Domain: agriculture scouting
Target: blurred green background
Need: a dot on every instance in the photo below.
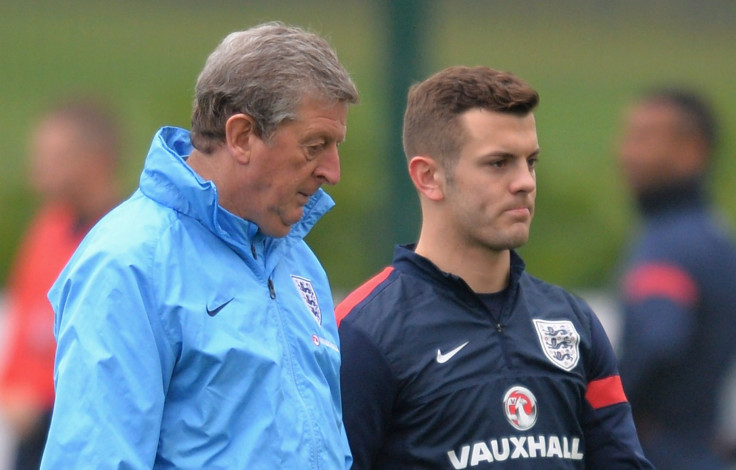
(586, 58)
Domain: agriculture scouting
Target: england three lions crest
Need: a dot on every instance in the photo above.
(560, 342)
(309, 296)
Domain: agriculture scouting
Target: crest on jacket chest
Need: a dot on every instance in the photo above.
(309, 296)
(560, 342)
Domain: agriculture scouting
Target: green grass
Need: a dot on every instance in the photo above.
(585, 58)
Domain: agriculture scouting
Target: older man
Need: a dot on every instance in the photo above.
(195, 327)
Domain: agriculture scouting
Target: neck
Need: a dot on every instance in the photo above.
(483, 269)
(202, 164)
(95, 203)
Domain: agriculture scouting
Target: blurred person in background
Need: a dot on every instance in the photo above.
(73, 156)
(455, 356)
(678, 287)
(195, 326)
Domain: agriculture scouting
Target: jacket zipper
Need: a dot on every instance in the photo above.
(271, 289)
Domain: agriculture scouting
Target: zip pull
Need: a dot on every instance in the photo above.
(499, 327)
(271, 289)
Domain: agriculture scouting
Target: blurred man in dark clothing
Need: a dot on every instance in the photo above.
(679, 283)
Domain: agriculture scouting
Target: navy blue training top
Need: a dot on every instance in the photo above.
(432, 379)
(678, 292)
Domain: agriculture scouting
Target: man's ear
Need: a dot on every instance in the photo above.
(428, 177)
(239, 136)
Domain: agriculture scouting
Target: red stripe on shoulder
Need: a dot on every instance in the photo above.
(661, 280)
(357, 296)
(605, 392)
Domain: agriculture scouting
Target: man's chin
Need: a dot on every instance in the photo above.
(516, 241)
(277, 229)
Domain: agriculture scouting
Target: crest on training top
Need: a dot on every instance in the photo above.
(309, 296)
(560, 342)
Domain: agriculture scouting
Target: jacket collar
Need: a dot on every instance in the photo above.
(406, 259)
(675, 197)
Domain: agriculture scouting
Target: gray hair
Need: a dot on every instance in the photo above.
(265, 72)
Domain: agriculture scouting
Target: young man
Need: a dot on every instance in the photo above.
(195, 327)
(454, 356)
(677, 286)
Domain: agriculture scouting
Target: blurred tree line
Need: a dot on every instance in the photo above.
(585, 58)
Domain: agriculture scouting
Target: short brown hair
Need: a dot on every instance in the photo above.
(431, 125)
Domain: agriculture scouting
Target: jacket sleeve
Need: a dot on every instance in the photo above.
(659, 308)
(111, 371)
(611, 440)
(368, 391)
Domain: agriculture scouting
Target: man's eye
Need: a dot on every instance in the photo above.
(532, 162)
(314, 150)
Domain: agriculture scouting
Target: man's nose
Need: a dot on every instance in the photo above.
(329, 166)
(525, 180)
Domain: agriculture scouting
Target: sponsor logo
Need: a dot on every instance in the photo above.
(560, 342)
(309, 296)
(442, 358)
(516, 447)
(324, 342)
(520, 408)
(216, 310)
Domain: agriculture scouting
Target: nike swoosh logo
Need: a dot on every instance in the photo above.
(442, 358)
(216, 310)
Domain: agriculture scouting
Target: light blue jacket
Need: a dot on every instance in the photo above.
(188, 340)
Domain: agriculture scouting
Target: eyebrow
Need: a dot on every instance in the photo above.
(322, 135)
(504, 154)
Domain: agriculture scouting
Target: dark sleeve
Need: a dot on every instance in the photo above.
(610, 435)
(659, 302)
(368, 390)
